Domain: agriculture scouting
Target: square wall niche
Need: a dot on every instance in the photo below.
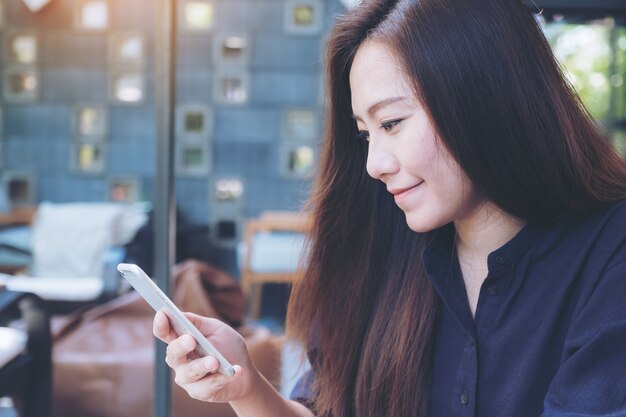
(226, 204)
(298, 161)
(304, 17)
(194, 121)
(123, 189)
(90, 121)
(193, 160)
(196, 15)
(300, 125)
(21, 47)
(88, 158)
(232, 87)
(231, 50)
(92, 15)
(20, 188)
(21, 84)
(127, 49)
(127, 87)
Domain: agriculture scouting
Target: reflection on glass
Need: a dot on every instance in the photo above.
(228, 189)
(300, 160)
(127, 49)
(194, 122)
(233, 90)
(90, 121)
(94, 14)
(233, 47)
(300, 125)
(89, 158)
(128, 88)
(23, 48)
(303, 15)
(198, 15)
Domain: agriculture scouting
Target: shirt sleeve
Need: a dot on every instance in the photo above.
(591, 380)
(303, 391)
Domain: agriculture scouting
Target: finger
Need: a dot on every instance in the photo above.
(178, 350)
(161, 328)
(206, 325)
(209, 387)
(196, 369)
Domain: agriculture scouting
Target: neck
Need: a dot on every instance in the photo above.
(484, 230)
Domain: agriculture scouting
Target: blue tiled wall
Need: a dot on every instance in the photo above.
(285, 71)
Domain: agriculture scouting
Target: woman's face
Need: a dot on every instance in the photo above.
(404, 153)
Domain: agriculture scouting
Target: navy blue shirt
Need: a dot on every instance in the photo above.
(549, 334)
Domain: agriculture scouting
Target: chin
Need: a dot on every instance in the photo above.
(421, 223)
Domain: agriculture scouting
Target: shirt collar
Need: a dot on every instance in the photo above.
(439, 254)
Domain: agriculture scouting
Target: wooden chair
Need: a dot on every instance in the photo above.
(252, 280)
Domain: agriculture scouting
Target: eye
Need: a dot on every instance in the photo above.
(363, 135)
(387, 126)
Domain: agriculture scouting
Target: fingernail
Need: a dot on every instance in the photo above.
(160, 318)
(209, 364)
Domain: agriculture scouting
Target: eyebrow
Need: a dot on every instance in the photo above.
(379, 105)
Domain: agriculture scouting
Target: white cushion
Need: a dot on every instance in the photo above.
(69, 240)
(12, 343)
(274, 252)
(55, 288)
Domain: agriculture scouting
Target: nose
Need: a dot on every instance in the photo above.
(381, 161)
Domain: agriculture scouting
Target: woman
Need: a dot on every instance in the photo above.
(468, 254)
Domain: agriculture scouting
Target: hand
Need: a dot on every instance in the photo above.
(199, 376)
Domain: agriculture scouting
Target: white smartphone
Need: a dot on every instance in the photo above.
(181, 324)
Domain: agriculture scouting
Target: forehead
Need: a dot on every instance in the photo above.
(376, 74)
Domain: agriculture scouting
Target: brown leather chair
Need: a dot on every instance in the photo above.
(104, 359)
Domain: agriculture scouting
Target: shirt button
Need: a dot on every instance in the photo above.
(500, 259)
(464, 398)
(492, 289)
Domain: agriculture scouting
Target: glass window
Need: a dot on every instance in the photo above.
(92, 14)
(22, 48)
(21, 84)
(197, 15)
(128, 87)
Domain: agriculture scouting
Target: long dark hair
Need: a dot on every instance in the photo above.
(500, 105)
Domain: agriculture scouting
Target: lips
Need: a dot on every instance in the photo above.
(399, 191)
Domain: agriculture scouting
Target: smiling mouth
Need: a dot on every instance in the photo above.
(406, 190)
